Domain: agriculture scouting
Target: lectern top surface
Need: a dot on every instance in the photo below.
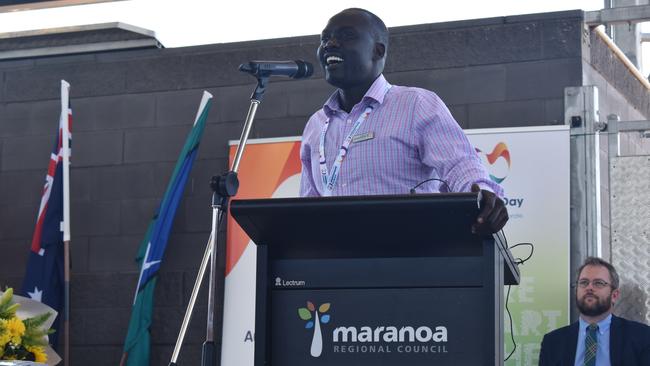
(399, 225)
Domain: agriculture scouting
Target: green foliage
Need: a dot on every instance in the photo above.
(21, 339)
(34, 334)
(37, 321)
(6, 297)
(7, 309)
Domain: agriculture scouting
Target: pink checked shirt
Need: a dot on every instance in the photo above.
(409, 136)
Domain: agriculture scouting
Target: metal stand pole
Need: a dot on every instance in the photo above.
(190, 305)
(223, 187)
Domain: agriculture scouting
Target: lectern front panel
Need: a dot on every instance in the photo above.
(400, 327)
(377, 280)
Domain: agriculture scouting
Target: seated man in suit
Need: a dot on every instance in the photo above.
(598, 338)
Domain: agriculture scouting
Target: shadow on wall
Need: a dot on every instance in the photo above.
(633, 303)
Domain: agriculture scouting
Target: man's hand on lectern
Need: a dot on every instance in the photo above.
(493, 215)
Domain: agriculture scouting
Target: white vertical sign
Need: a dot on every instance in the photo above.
(533, 166)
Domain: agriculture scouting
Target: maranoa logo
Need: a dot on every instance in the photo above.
(374, 339)
(390, 334)
(314, 318)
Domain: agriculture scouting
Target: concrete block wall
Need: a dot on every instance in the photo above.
(132, 110)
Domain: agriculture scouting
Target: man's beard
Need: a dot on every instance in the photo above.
(599, 307)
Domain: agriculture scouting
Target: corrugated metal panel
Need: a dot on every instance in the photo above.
(630, 220)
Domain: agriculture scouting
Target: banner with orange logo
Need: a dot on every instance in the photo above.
(270, 168)
(532, 164)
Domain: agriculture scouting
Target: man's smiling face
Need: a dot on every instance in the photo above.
(348, 50)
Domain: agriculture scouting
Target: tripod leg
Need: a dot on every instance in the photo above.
(190, 305)
(207, 357)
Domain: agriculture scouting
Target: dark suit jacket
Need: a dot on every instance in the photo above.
(629, 344)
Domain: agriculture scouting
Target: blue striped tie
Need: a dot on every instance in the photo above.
(591, 345)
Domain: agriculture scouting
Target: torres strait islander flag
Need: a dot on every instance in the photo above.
(44, 279)
(152, 248)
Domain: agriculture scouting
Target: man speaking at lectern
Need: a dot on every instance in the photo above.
(372, 137)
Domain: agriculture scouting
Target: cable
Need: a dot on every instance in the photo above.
(512, 333)
(518, 262)
(412, 190)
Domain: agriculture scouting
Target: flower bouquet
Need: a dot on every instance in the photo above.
(24, 326)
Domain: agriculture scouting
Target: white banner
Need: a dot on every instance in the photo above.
(532, 164)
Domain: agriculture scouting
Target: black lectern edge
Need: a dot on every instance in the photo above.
(453, 196)
(512, 276)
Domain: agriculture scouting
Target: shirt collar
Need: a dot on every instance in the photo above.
(376, 92)
(603, 325)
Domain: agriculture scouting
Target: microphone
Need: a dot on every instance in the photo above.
(297, 69)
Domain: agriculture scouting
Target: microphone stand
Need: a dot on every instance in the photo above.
(223, 187)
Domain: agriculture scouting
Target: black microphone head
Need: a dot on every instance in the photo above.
(305, 69)
(297, 69)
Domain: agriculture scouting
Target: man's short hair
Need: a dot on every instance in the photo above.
(379, 30)
(595, 261)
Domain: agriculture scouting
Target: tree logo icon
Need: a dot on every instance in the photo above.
(314, 318)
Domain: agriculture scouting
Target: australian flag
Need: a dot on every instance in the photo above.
(44, 276)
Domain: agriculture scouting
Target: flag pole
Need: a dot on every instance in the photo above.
(65, 125)
(66, 324)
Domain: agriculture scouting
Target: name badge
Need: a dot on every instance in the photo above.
(363, 137)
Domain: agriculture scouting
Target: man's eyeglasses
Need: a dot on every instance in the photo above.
(584, 283)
